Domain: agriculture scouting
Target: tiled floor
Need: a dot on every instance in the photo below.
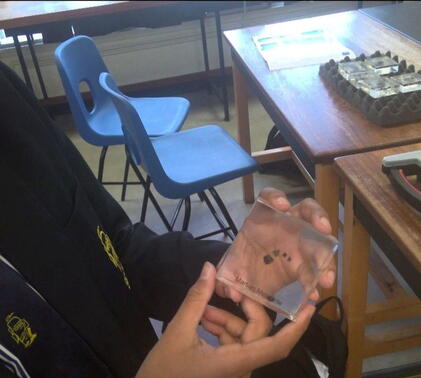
(206, 109)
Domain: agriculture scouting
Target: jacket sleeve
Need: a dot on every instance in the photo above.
(162, 269)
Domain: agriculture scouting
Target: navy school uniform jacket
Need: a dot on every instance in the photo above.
(99, 274)
(30, 328)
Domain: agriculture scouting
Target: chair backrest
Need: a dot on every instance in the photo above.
(137, 140)
(78, 60)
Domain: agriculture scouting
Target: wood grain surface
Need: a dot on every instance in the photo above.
(373, 188)
(325, 125)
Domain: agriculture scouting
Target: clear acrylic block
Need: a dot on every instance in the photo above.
(383, 65)
(408, 82)
(276, 259)
(378, 87)
(349, 69)
(356, 78)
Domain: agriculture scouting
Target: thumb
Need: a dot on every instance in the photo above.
(191, 310)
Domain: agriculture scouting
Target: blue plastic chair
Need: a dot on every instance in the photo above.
(78, 60)
(183, 163)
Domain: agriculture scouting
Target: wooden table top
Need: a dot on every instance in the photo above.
(323, 123)
(373, 188)
(15, 14)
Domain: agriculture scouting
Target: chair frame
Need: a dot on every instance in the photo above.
(124, 183)
(145, 152)
(229, 230)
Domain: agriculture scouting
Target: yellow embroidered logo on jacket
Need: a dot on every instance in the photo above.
(112, 255)
(20, 330)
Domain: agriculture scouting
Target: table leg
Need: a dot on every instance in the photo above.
(326, 192)
(354, 284)
(243, 126)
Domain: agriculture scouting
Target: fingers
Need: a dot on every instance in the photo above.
(307, 278)
(225, 291)
(191, 310)
(314, 295)
(324, 258)
(259, 323)
(220, 289)
(229, 322)
(223, 336)
(312, 212)
(247, 357)
(233, 294)
(275, 198)
(309, 210)
(229, 328)
(328, 278)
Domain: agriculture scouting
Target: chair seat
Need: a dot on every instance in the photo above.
(200, 158)
(160, 115)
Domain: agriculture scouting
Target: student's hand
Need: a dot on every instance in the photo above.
(181, 353)
(230, 329)
(308, 210)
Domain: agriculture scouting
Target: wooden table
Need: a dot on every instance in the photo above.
(315, 121)
(374, 208)
(24, 17)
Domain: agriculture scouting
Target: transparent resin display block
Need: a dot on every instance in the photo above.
(408, 82)
(367, 75)
(383, 65)
(276, 259)
(378, 86)
(349, 69)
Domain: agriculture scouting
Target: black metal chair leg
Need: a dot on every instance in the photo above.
(22, 63)
(145, 199)
(209, 234)
(187, 212)
(151, 196)
(222, 65)
(215, 214)
(101, 163)
(224, 210)
(176, 212)
(205, 51)
(30, 39)
(126, 175)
